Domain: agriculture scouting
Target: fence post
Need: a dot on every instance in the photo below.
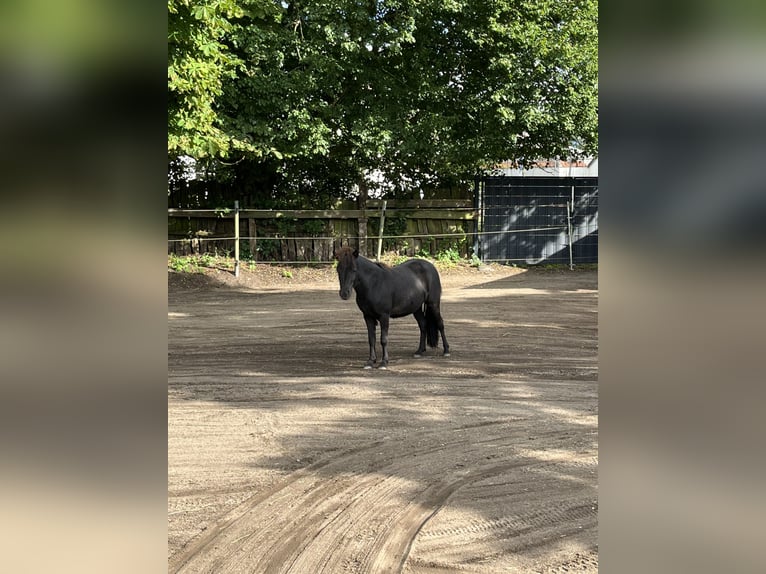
(380, 233)
(362, 235)
(236, 238)
(252, 231)
(570, 208)
(478, 222)
(362, 221)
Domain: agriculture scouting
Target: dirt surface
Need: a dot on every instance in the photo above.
(284, 455)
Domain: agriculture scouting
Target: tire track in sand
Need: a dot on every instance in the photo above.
(358, 511)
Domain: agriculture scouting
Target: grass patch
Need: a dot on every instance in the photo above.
(196, 263)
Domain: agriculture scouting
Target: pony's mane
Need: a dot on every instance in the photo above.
(344, 255)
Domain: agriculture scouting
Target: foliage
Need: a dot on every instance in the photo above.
(313, 227)
(191, 263)
(205, 260)
(312, 97)
(393, 227)
(450, 255)
(268, 249)
(181, 264)
(198, 64)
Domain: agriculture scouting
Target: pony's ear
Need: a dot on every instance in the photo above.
(356, 253)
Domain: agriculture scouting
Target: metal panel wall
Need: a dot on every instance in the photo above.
(525, 219)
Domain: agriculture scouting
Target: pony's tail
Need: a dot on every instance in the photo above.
(432, 327)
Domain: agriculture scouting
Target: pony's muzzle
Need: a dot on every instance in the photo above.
(345, 294)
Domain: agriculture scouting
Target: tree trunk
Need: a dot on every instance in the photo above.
(362, 221)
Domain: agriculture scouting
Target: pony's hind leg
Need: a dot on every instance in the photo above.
(420, 317)
(445, 344)
(437, 317)
(435, 327)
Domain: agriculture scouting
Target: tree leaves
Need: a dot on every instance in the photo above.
(410, 89)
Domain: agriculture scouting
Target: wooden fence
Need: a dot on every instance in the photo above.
(411, 227)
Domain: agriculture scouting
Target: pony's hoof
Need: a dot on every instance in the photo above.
(382, 368)
(368, 366)
(447, 354)
(418, 355)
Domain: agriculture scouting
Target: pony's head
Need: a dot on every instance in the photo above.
(346, 270)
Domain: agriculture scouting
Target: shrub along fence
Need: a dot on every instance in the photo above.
(409, 228)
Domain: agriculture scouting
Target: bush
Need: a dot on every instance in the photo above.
(449, 256)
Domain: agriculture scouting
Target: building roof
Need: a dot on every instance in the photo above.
(551, 168)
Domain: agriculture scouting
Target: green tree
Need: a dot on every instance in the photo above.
(417, 89)
(201, 60)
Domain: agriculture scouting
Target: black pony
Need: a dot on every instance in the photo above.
(382, 292)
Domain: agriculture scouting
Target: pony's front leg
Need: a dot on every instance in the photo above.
(384, 340)
(370, 321)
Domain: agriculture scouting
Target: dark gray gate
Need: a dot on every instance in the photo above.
(532, 220)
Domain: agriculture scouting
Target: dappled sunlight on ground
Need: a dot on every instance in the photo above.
(484, 461)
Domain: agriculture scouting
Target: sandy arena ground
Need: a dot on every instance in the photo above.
(284, 455)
